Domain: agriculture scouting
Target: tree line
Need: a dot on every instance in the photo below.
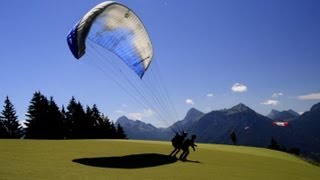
(45, 120)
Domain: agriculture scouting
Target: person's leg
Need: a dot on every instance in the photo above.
(185, 155)
(182, 154)
(173, 152)
(177, 151)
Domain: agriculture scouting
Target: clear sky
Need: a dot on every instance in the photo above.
(212, 54)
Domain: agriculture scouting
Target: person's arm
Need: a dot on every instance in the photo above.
(194, 145)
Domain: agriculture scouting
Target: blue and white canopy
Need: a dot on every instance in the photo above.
(116, 28)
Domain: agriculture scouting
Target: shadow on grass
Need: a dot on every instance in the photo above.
(191, 161)
(128, 162)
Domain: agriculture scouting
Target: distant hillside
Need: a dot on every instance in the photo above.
(192, 118)
(252, 129)
(283, 115)
(136, 129)
(306, 131)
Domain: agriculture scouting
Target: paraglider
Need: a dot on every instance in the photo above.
(177, 142)
(283, 124)
(114, 40)
(116, 28)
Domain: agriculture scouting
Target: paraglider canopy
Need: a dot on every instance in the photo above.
(283, 124)
(116, 28)
(113, 39)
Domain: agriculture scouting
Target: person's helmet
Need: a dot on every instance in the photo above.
(184, 133)
(193, 136)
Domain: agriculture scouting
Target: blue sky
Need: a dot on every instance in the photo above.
(211, 55)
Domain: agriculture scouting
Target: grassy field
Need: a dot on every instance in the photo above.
(130, 159)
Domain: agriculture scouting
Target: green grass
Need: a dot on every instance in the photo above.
(130, 159)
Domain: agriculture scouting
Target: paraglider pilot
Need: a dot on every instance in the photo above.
(185, 147)
(177, 143)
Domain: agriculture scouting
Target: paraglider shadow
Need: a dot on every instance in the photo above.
(128, 162)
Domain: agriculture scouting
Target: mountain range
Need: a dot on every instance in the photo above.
(283, 115)
(252, 128)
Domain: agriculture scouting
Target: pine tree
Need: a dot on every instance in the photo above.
(37, 118)
(113, 131)
(90, 121)
(69, 118)
(9, 123)
(275, 145)
(55, 120)
(2, 129)
(76, 120)
(106, 128)
(64, 122)
(100, 126)
(120, 132)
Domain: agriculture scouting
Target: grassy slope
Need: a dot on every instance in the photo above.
(40, 159)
